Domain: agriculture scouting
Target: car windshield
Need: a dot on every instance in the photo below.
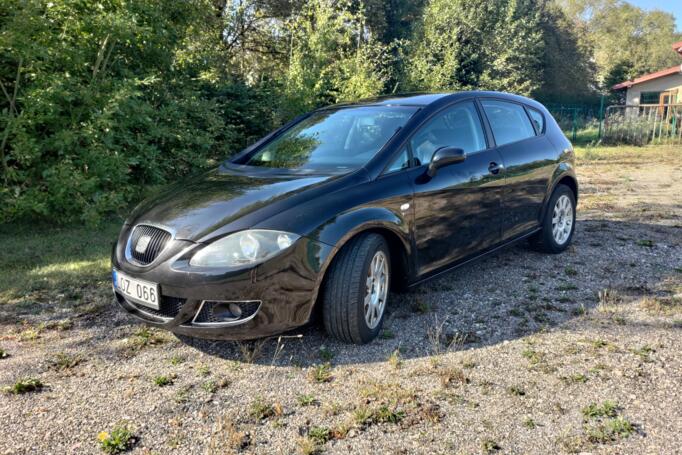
(334, 139)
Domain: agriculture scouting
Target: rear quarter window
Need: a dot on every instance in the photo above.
(509, 121)
(538, 119)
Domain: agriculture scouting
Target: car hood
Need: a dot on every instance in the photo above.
(224, 200)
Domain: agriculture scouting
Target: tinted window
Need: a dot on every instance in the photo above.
(458, 126)
(508, 121)
(401, 162)
(538, 120)
(333, 139)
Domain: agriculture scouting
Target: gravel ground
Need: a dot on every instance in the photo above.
(517, 353)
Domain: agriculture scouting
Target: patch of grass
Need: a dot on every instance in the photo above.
(176, 360)
(307, 446)
(321, 373)
(529, 423)
(145, 337)
(24, 386)
(534, 357)
(3, 354)
(490, 446)
(578, 377)
(395, 360)
(119, 440)
(320, 434)
(610, 430)
(387, 334)
(306, 400)
(204, 370)
(53, 258)
(163, 381)
(567, 287)
(646, 243)
(64, 361)
(214, 386)
(644, 352)
(451, 376)
(326, 354)
(607, 408)
(420, 307)
(262, 410)
(570, 271)
(386, 414)
(516, 391)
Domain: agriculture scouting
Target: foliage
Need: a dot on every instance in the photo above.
(101, 100)
(119, 440)
(457, 49)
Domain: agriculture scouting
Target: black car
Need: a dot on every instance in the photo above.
(329, 212)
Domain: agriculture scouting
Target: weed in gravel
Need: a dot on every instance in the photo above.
(61, 325)
(307, 446)
(395, 360)
(516, 391)
(646, 243)
(182, 395)
(214, 386)
(607, 408)
(31, 333)
(64, 361)
(450, 376)
(306, 400)
(609, 430)
(578, 378)
(644, 352)
(3, 354)
(261, 410)
(362, 415)
(163, 381)
(420, 307)
(251, 350)
(661, 306)
(145, 337)
(570, 271)
(320, 434)
(534, 357)
(567, 287)
(321, 373)
(176, 360)
(226, 437)
(386, 414)
(529, 423)
(387, 334)
(326, 354)
(24, 386)
(119, 440)
(203, 370)
(608, 299)
(490, 446)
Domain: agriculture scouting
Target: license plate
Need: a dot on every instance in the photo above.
(139, 291)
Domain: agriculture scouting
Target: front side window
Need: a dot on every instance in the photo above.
(508, 121)
(650, 97)
(335, 139)
(400, 163)
(457, 126)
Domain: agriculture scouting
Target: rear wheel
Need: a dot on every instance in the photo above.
(356, 290)
(558, 224)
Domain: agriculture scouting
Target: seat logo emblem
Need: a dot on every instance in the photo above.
(142, 244)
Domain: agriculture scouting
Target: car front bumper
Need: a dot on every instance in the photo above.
(285, 289)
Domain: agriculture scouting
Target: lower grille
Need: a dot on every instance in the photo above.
(168, 308)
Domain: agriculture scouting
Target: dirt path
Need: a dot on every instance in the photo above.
(518, 353)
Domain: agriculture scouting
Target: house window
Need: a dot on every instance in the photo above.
(649, 97)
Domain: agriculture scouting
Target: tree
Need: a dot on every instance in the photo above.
(495, 45)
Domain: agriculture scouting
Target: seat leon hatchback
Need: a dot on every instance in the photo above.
(329, 213)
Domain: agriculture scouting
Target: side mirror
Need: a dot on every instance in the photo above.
(445, 156)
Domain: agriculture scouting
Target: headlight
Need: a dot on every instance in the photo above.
(243, 248)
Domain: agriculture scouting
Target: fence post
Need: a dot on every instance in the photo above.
(601, 117)
(575, 123)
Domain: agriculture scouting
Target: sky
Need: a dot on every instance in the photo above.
(670, 6)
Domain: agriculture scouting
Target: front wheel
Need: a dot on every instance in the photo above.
(356, 290)
(558, 224)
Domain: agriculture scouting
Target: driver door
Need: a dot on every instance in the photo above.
(458, 211)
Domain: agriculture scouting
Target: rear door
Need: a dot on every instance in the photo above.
(529, 158)
(456, 212)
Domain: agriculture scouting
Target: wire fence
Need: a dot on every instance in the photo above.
(643, 124)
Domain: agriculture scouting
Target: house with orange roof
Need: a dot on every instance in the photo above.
(661, 88)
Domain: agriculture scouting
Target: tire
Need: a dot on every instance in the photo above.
(548, 240)
(346, 288)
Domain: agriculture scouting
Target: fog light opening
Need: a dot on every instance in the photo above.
(226, 312)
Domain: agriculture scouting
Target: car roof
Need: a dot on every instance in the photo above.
(427, 99)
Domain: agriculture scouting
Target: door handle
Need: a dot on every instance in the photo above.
(495, 168)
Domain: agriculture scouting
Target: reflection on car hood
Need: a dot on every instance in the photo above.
(195, 208)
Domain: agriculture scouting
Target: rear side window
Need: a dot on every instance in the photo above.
(508, 121)
(538, 119)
